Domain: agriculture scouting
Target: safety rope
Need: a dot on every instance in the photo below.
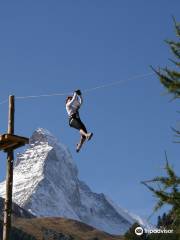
(85, 90)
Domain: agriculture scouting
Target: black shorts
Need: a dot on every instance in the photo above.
(76, 123)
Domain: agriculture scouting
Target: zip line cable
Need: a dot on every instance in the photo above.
(43, 95)
(85, 91)
(118, 82)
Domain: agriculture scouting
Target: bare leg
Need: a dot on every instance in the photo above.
(83, 133)
(79, 145)
(82, 140)
(84, 136)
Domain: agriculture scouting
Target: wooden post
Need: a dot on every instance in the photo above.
(9, 176)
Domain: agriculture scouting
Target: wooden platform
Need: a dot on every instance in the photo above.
(11, 142)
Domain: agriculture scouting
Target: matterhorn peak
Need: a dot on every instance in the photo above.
(41, 136)
(46, 184)
(43, 139)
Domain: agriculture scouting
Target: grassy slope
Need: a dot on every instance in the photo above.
(78, 230)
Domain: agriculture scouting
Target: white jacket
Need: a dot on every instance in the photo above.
(74, 104)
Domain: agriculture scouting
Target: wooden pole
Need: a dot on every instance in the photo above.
(9, 175)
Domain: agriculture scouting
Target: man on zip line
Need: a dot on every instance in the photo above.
(73, 104)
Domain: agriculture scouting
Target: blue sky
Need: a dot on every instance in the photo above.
(58, 46)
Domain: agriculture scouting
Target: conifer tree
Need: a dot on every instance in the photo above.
(167, 192)
(170, 78)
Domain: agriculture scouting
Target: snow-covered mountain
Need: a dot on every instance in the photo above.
(46, 183)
